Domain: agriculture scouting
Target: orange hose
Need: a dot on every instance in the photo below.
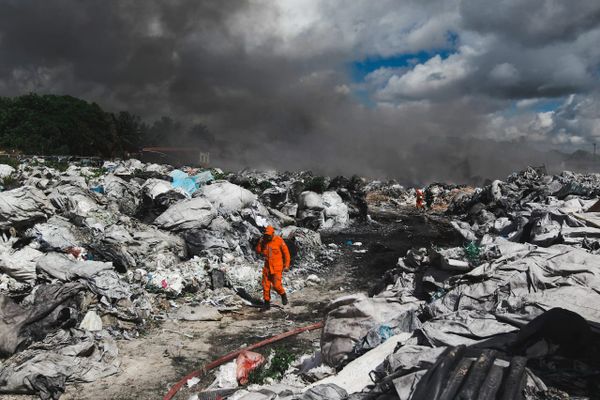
(234, 354)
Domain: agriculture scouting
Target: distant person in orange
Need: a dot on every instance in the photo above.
(420, 199)
(277, 259)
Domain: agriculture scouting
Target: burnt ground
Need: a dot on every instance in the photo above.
(152, 363)
(389, 238)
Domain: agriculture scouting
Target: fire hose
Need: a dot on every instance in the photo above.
(234, 354)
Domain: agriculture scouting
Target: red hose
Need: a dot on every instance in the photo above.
(234, 354)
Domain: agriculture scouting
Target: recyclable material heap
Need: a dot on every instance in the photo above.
(90, 254)
(514, 313)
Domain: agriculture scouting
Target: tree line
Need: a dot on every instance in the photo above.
(65, 125)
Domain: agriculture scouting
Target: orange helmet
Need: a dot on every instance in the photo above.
(269, 230)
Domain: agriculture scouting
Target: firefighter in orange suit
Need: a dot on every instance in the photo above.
(420, 199)
(277, 259)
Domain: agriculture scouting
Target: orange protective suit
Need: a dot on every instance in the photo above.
(277, 258)
(420, 198)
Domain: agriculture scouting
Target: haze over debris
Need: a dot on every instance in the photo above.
(416, 90)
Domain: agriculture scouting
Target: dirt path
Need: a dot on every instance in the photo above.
(153, 363)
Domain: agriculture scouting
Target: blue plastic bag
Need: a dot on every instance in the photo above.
(184, 181)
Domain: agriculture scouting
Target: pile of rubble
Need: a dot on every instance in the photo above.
(513, 314)
(90, 254)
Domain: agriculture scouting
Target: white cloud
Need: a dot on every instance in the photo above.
(434, 78)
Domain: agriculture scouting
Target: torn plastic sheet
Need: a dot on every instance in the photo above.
(16, 318)
(75, 200)
(528, 275)
(463, 327)
(98, 276)
(23, 206)
(247, 362)
(126, 194)
(60, 266)
(183, 181)
(351, 318)
(465, 230)
(354, 377)
(57, 234)
(62, 357)
(188, 214)
(20, 264)
(227, 197)
(190, 184)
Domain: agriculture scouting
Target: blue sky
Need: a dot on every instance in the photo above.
(361, 68)
(548, 105)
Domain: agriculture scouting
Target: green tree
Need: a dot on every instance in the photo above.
(65, 125)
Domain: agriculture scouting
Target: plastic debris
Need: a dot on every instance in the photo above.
(91, 322)
(247, 362)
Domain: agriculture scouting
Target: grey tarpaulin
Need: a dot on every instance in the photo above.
(203, 239)
(226, 196)
(74, 200)
(60, 266)
(188, 214)
(556, 276)
(325, 392)
(16, 318)
(57, 234)
(23, 206)
(19, 264)
(98, 276)
(126, 194)
(66, 356)
(351, 318)
(463, 327)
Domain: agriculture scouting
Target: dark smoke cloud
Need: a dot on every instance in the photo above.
(271, 79)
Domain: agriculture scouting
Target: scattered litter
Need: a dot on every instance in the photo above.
(247, 362)
(91, 322)
(193, 382)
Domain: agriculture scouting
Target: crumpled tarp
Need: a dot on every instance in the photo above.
(18, 264)
(62, 357)
(188, 214)
(57, 234)
(226, 196)
(556, 276)
(183, 181)
(74, 200)
(355, 376)
(23, 206)
(98, 276)
(125, 193)
(17, 320)
(463, 327)
(335, 212)
(351, 318)
(6, 170)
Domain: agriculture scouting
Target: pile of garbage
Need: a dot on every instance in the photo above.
(512, 314)
(531, 207)
(91, 254)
